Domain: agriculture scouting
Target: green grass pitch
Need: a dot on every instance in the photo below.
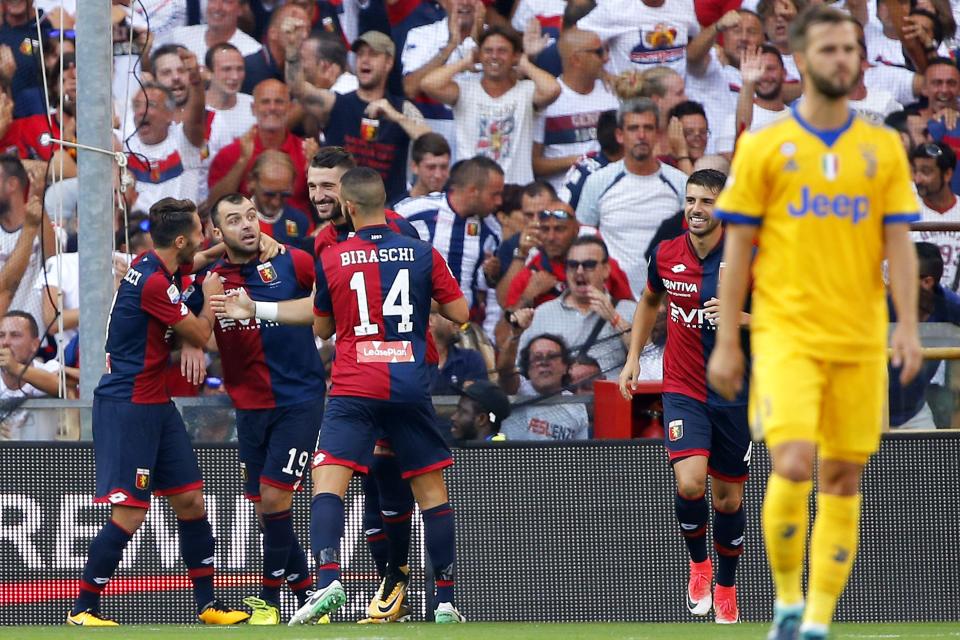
(478, 631)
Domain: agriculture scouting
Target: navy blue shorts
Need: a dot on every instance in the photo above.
(139, 449)
(352, 426)
(722, 434)
(275, 445)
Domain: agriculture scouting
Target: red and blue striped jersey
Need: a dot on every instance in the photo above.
(267, 364)
(378, 286)
(676, 269)
(145, 307)
(332, 234)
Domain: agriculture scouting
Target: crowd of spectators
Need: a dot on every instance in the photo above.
(542, 146)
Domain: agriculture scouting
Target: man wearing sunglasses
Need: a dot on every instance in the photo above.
(586, 316)
(933, 169)
(705, 433)
(271, 181)
(558, 228)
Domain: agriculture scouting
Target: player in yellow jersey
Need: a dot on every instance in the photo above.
(828, 195)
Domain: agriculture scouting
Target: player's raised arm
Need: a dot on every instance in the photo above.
(725, 369)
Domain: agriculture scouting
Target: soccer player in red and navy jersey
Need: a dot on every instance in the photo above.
(375, 291)
(706, 434)
(139, 438)
(275, 379)
(388, 501)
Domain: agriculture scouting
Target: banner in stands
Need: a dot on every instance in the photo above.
(573, 532)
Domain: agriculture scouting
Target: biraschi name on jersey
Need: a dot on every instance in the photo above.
(842, 206)
(366, 256)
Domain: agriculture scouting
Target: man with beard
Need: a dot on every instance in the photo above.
(275, 379)
(933, 167)
(628, 199)
(373, 126)
(271, 181)
(165, 155)
(139, 438)
(908, 403)
(713, 73)
(942, 115)
(388, 501)
(761, 97)
(706, 434)
(828, 197)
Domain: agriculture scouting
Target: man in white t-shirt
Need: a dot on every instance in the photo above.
(644, 34)
(432, 45)
(221, 26)
(933, 166)
(20, 377)
(761, 96)
(494, 114)
(165, 156)
(627, 200)
(324, 63)
(713, 74)
(229, 112)
(567, 129)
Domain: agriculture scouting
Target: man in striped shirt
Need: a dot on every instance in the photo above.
(458, 222)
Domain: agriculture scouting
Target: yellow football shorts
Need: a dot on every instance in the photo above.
(838, 405)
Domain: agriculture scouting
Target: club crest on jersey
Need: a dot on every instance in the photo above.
(831, 166)
(267, 272)
(292, 230)
(143, 479)
(675, 430)
(473, 228)
(368, 128)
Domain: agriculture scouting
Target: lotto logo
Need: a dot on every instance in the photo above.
(117, 497)
(318, 458)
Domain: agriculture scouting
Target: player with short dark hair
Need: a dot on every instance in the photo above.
(828, 196)
(140, 443)
(375, 290)
(706, 434)
(275, 379)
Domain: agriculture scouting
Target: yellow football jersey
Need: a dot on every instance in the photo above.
(821, 199)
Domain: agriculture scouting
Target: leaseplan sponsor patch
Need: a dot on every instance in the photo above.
(377, 351)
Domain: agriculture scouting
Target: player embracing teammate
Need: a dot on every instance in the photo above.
(374, 290)
(706, 434)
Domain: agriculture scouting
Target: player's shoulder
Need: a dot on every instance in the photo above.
(879, 134)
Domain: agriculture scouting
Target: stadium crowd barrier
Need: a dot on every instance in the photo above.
(565, 532)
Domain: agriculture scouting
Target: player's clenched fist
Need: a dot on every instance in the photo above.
(235, 305)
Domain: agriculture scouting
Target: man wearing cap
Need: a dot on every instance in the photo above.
(376, 127)
(482, 409)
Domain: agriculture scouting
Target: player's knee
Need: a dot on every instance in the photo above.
(727, 503)
(189, 505)
(128, 518)
(691, 488)
(795, 463)
(274, 499)
(839, 477)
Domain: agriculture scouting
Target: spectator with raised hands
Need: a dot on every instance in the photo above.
(494, 113)
(689, 135)
(429, 47)
(761, 98)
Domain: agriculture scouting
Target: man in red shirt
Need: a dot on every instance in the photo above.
(232, 165)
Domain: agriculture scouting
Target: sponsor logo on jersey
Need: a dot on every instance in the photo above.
(143, 479)
(694, 318)
(678, 268)
(680, 288)
(267, 272)
(173, 293)
(117, 497)
(390, 351)
(675, 430)
(820, 205)
(318, 458)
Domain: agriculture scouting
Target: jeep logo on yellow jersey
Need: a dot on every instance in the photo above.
(820, 205)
